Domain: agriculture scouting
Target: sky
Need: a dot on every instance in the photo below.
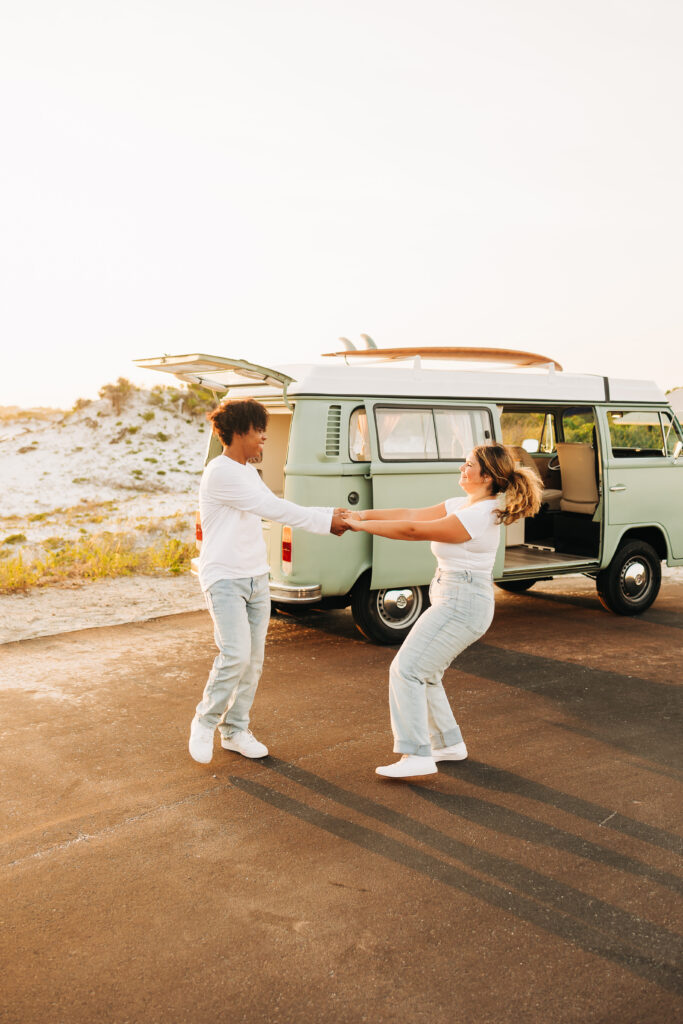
(255, 178)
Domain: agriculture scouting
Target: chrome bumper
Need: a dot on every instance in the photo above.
(287, 594)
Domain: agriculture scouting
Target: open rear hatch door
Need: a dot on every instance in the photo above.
(218, 373)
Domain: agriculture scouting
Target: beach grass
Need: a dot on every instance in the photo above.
(105, 556)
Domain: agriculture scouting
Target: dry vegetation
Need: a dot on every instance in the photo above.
(92, 559)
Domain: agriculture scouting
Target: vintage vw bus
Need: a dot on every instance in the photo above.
(390, 428)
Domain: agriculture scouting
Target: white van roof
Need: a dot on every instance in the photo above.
(416, 381)
(409, 379)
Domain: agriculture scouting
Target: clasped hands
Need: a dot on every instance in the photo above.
(343, 520)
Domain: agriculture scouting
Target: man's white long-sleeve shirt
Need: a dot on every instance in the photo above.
(232, 502)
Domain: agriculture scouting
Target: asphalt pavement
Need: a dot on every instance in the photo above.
(538, 882)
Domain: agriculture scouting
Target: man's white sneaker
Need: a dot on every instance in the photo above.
(409, 766)
(201, 741)
(456, 752)
(244, 743)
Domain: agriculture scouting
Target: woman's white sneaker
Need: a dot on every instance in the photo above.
(409, 766)
(201, 741)
(244, 743)
(456, 752)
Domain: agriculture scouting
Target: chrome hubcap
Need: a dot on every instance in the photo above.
(399, 607)
(635, 579)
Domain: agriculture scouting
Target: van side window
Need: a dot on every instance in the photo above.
(429, 434)
(459, 430)
(636, 433)
(359, 438)
(406, 434)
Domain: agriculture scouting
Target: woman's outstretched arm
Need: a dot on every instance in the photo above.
(447, 529)
(412, 515)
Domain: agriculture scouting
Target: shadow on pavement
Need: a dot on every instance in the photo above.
(636, 715)
(502, 781)
(595, 926)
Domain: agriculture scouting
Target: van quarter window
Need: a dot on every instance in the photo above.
(636, 434)
(429, 434)
(359, 438)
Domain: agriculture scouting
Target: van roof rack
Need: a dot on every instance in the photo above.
(508, 356)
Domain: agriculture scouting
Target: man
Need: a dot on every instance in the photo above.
(233, 573)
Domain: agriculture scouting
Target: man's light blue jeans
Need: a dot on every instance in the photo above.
(240, 610)
(461, 612)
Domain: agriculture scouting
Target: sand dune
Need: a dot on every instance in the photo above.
(89, 473)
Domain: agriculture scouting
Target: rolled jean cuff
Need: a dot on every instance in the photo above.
(402, 747)
(446, 739)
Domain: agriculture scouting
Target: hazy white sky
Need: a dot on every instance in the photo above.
(256, 177)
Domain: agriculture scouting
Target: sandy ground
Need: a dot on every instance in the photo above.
(43, 612)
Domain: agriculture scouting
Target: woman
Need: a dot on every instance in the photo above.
(465, 533)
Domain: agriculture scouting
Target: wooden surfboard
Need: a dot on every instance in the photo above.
(510, 356)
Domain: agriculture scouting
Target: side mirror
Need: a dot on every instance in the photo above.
(530, 445)
(678, 448)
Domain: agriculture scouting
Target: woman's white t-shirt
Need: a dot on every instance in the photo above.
(479, 553)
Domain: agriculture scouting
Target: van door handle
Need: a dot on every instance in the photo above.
(618, 487)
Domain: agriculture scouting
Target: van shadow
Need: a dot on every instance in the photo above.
(659, 616)
(337, 622)
(639, 716)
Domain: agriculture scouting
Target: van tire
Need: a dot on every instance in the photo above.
(631, 581)
(516, 586)
(376, 615)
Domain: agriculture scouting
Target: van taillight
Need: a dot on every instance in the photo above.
(198, 529)
(287, 549)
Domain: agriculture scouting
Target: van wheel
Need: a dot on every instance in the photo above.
(516, 586)
(631, 581)
(387, 616)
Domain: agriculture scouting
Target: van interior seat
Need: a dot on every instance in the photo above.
(579, 483)
(551, 495)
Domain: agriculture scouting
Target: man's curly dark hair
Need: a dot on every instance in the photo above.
(237, 417)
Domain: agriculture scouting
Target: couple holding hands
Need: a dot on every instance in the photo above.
(233, 573)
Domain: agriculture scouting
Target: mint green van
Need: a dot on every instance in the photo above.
(372, 432)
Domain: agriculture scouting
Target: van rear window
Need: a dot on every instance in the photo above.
(429, 434)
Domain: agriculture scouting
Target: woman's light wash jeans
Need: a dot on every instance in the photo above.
(460, 613)
(240, 610)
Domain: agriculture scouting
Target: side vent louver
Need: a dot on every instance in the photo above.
(333, 433)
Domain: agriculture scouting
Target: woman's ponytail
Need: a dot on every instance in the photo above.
(521, 487)
(522, 497)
